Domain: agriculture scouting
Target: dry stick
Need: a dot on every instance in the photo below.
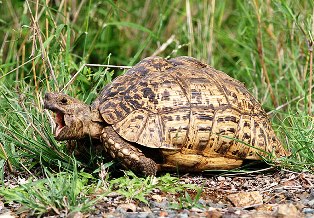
(164, 45)
(284, 105)
(47, 35)
(6, 158)
(11, 71)
(190, 26)
(65, 14)
(261, 54)
(109, 66)
(3, 42)
(78, 11)
(311, 77)
(287, 103)
(211, 32)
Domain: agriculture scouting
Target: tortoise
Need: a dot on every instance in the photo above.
(177, 114)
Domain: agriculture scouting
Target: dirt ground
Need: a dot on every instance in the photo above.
(269, 194)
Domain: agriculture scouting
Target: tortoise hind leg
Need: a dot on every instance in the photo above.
(130, 156)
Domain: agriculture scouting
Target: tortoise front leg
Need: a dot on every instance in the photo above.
(130, 156)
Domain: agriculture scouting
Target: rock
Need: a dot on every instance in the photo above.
(265, 207)
(311, 203)
(75, 215)
(258, 214)
(220, 178)
(163, 214)
(157, 198)
(127, 207)
(139, 215)
(213, 214)
(6, 215)
(246, 199)
(287, 211)
(195, 209)
(308, 210)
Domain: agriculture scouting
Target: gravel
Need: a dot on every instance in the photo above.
(280, 194)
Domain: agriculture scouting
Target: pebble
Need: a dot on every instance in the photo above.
(140, 215)
(308, 210)
(311, 203)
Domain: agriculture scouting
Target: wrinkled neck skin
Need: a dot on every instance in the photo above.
(95, 125)
(86, 123)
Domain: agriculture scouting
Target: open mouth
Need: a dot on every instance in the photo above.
(60, 122)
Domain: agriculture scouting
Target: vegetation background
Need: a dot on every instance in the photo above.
(65, 45)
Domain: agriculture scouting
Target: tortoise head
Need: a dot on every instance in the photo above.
(74, 119)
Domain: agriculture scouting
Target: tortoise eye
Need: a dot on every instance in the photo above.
(64, 101)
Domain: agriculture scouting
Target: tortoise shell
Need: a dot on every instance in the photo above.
(183, 104)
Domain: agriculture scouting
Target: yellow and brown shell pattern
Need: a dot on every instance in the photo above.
(186, 105)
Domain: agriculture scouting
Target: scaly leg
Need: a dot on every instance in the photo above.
(130, 156)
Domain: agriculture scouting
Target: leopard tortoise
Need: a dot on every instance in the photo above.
(168, 115)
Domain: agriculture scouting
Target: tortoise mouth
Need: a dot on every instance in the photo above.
(60, 122)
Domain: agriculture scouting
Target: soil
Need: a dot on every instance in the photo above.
(272, 194)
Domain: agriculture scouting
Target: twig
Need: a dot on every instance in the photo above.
(284, 105)
(6, 158)
(190, 26)
(78, 11)
(73, 78)
(164, 46)
(109, 66)
(261, 54)
(211, 32)
(11, 71)
(3, 42)
(311, 44)
(248, 172)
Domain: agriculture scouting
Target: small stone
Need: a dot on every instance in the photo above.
(127, 207)
(195, 209)
(76, 215)
(212, 183)
(311, 203)
(146, 209)
(286, 211)
(183, 215)
(265, 207)
(220, 178)
(308, 210)
(157, 198)
(163, 214)
(7, 215)
(202, 202)
(305, 201)
(246, 199)
(311, 197)
(213, 214)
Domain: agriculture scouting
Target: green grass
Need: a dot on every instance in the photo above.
(264, 44)
(60, 192)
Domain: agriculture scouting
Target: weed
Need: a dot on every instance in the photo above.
(61, 192)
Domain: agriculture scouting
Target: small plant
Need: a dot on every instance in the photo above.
(187, 202)
(133, 187)
(62, 192)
